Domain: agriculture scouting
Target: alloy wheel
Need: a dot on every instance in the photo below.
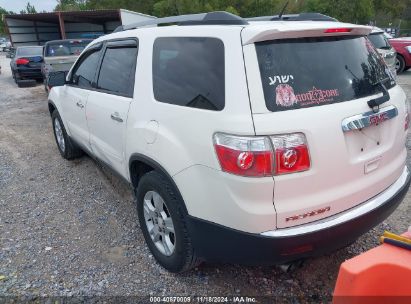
(159, 223)
(58, 130)
(397, 64)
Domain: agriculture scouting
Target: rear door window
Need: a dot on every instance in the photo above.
(118, 70)
(189, 72)
(307, 72)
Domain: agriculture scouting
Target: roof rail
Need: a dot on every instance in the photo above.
(212, 18)
(295, 17)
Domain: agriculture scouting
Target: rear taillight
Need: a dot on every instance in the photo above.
(291, 153)
(22, 61)
(246, 156)
(259, 156)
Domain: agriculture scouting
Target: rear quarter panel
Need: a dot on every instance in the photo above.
(179, 137)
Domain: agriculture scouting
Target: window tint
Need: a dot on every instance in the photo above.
(307, 72)
(380, 41)
(83, 75)
(189, 72)
(29, 51)
(66, 47)
(117, 70)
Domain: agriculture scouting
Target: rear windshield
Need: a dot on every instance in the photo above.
(30, 51)
(380, 41)
(66, 48)
(307, 72)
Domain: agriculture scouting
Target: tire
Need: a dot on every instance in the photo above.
(180, 255)
(25, 83)
(399, 64)
(67, 148)
(15, 77)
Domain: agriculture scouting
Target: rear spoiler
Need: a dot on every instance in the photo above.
(266, 32)
(294, 17)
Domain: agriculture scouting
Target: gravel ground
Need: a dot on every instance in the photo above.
(71, 229)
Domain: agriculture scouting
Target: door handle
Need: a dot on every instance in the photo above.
(79, 104)
(116, 117)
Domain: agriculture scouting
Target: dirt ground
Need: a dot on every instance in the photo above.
(71, 229)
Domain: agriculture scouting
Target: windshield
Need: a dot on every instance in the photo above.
(307, 72)
(30, 51)
(388, 36)
(380, 41)
(66, 48)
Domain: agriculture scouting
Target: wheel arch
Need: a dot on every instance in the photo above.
(403, 59)
(55, 105)
(51, 106)
(140, 164)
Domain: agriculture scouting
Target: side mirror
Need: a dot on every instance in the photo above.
(75, 79)
(56, 79)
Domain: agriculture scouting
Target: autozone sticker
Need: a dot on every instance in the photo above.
(286, 97)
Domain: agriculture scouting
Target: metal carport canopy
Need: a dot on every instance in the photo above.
(38, 28)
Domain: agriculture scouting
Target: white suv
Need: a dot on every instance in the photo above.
(254, 142)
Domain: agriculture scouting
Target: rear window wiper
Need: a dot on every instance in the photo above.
(376, 102)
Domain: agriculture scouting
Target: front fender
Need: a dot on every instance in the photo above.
(55, 100)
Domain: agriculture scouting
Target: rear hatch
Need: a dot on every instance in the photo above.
(61, 55)
(317, 83)
(29, 57)
(61, 63)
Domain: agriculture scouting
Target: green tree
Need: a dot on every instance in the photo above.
(2, 26)
(391, 12)
(2, 21)
(71, 5)
(358, 11)
(30, 9)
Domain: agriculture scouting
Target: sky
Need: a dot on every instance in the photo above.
(17, 5)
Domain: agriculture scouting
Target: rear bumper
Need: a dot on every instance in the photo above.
(29, 72)
(217, 243)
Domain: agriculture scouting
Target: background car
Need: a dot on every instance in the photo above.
(11, 53)
(60, 55)
(403, 48)
(383, 46)
(27, 62)
(5, 44)
(2, 43)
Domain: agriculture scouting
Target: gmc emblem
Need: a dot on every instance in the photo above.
(304, 215)
(376, 119)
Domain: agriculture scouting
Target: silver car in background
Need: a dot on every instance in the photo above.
(384, 48)
(5, 44)
(60, 55)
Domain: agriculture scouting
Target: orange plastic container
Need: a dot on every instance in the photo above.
(380, 275)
